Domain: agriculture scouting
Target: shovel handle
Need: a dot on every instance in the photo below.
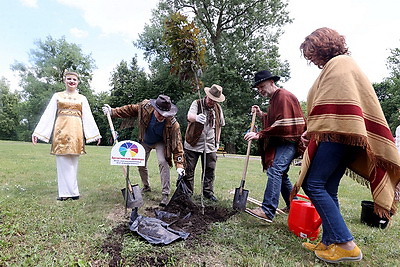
(246, 161)
(114, 135)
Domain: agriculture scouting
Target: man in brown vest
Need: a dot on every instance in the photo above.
(202, 138)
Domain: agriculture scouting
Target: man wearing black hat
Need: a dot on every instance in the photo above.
(278, 143)
(202, 138)
(158, 129)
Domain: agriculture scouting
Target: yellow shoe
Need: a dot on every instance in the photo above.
(336, 254)
(314, 247)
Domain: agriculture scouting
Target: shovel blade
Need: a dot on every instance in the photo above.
(240, 199)
(134, 199)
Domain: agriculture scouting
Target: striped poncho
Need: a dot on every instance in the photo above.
(284, 122)
(343, 107)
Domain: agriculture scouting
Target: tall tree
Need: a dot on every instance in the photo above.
(241, 38)
(9, 118)
(388, 90)
(44, 75)
(129, 84)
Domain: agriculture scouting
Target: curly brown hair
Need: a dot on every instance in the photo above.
(322, 45)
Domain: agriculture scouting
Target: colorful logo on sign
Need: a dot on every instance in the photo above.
(128, 148)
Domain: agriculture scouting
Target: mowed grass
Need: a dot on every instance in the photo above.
(37, 230)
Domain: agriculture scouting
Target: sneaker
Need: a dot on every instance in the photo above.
(146, 188)
(335, 254)
(314, 247)
(164, 200)
(286, 210)
(258, 213)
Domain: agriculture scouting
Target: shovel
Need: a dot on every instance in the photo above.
(240, 197)
(134, 198)
(132, 194)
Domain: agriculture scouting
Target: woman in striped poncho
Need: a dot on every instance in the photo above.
(346, 129)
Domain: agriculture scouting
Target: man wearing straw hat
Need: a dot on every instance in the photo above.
(202, 138)
(159, 130)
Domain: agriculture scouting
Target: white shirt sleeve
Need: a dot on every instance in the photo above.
(89, 125)
(45, 126)
(193, 108)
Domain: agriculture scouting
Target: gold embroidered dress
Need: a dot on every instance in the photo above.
(69, 118)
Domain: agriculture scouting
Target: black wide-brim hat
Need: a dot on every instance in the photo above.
(263, 76)
(164, 106)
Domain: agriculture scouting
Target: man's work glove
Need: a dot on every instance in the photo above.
(201, 118)
(180, 171)
(106, 109)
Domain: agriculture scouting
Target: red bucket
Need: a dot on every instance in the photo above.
(303, 219)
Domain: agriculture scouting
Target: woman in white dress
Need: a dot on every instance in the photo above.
(69, 121)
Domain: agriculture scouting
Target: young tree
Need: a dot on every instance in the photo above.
(186, 51)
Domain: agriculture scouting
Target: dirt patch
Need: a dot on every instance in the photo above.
(200, 218)
(113, 244)
(197, 221)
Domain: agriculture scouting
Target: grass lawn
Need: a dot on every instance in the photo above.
(37, 230)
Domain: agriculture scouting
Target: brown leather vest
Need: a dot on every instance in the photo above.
(194, 129)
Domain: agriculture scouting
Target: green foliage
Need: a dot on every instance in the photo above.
(186, 52)
(9, 113)
(43, 77)
(393, 63)
(241, 38)
(388, 90)
(129, 84)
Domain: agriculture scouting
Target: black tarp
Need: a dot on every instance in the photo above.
(154, 230)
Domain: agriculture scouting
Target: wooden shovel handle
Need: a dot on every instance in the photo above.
(114, 135)
(246, 161)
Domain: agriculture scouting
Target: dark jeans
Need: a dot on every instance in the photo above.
(192, 158)
(321, 185)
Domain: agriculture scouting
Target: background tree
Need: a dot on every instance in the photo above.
(9, 112)
(129, 86)
(241, 38)
(44, 76)
(388, 90)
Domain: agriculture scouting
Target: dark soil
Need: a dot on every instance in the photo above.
(196, 222)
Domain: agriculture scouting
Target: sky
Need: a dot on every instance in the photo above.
(106, 29)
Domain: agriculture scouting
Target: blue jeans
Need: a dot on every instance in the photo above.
(321, 186)
(278, 180)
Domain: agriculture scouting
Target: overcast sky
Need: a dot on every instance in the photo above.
(105, 29)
